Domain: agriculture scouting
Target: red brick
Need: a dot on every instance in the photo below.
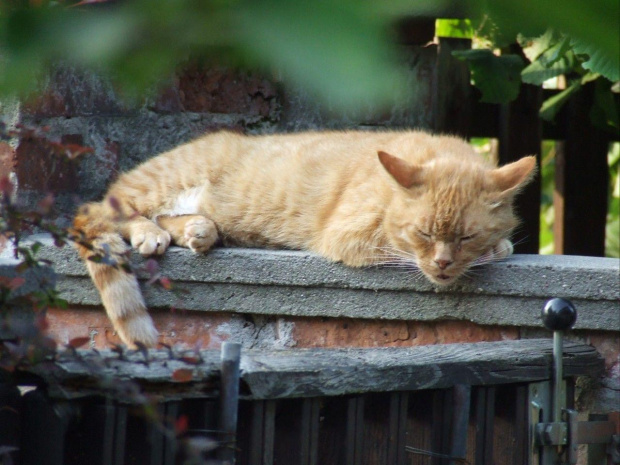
(192, 329)
(38, 167)
(607, 344)
(222, 90)
(199, 329)
(7, 159)
(311, 332)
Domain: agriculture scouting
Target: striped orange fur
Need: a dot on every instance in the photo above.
(360, 198)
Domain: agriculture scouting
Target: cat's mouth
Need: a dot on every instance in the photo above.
(443, 279)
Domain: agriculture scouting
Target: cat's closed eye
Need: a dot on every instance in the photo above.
(424, 235)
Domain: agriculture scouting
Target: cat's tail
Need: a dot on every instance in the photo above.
(105, 253)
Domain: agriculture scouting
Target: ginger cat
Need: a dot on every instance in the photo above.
(360, 198)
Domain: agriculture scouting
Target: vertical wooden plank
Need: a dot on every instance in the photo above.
(397, 428)
(480, 427)
(170, 441)
(581, 181)
(559, 191)
(452, 102)
(309, 431)
(257, 433)
(521, 135)
(229, 400)
(381, 428)
(155, 438)
(521, 425)
(269, 432)
(10, 413)
(120, 435)
(505, 425)
(355, 430)
(461, 395)
(43, 431)
(333, 428)
(489, 420)
(108, 412)
(485, 414)
(402, 428)
(440, 427)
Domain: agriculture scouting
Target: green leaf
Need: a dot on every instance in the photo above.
(533, 47)
(597, 21)
(497, 77)
(454, 28)
(555, 61)
(598, 62)
(604, 112)
(552, 105)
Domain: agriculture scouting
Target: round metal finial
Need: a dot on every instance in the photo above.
(558, 314)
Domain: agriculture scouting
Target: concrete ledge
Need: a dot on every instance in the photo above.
(297, 283)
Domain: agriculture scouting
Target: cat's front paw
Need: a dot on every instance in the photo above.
(150, 240)
(200, 234)
(503, 249)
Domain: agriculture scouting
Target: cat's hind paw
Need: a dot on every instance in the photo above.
(200, 234)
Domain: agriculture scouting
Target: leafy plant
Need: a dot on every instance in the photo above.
(551, 54)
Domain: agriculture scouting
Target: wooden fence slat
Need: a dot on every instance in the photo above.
(397, 428)
(257, 427)
(581, 181)
(170, 441)
(355, 430)
(43, 431)
(489, 424)
(229, 400)
(439, 427)
(269, 432)
(481, 395)
(108, 412)
(521, 425)
(309, 431)
(461, 405)
(10, 412)
(521, 135)
(120, 435)
(451, 89)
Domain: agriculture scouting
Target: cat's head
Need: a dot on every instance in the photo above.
(448, 214)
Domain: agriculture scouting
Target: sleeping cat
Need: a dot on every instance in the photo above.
(352, 197)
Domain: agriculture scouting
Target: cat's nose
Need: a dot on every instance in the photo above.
(443, 264)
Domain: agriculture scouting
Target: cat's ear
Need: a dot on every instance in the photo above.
(405, 174)
(510, 178)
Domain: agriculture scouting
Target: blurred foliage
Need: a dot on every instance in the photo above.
(341, 50)
(551, 54)
(498, 77)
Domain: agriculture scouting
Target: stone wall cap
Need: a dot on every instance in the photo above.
(296, 283)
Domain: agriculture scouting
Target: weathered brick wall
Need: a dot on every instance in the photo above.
(82, 108)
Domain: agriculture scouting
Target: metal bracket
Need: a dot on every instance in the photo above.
(557, 434)
(570, 433)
